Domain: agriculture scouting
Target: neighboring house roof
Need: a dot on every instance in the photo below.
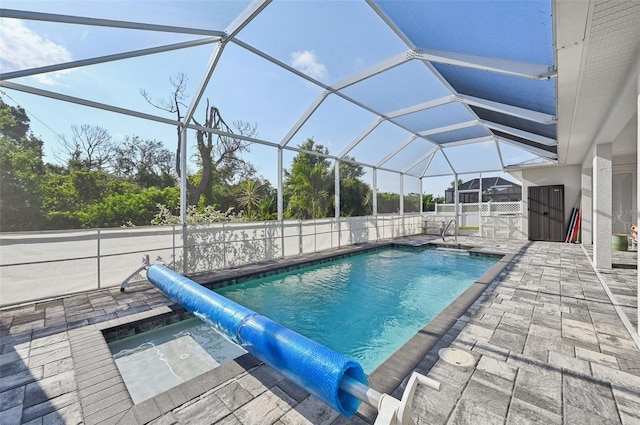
(487, 183)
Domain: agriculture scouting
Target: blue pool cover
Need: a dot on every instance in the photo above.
(312, 366)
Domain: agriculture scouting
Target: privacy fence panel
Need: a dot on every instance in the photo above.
(205, 248)
(246, 243)
(324, 230)
(291, 238)
(46, 264)
(38, 265)
(357, 231)
(122, 250)
(372, 229)
(307, 236)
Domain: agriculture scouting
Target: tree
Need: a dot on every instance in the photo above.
(145, 162)
(307, 185)
(214, 150)
(353, 191)
(388, 202)
(14, 122)
(453, 183)
(411, 202)
(66, 197)
(87, 199)
(250, 196)
(133, 207)
(217, 150)
(90, 148)
(21, 172)
(268, 208)
(429, 201)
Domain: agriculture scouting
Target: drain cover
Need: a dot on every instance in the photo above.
(184, 356)
(457, 357)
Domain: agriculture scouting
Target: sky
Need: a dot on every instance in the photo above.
(328, 41)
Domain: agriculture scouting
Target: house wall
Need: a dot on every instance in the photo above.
(624, 190)
(569, 176)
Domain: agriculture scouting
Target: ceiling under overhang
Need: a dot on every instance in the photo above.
(598, 56)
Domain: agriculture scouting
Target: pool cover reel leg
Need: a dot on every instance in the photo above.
(334, 378)
(391, 411)
(145, 265)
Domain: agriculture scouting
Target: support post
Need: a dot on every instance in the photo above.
(183, 196)
(456, 203)
(421, 199)
(98, 256)
(602, 181)
(586, 225)
(280, 187)
(173, 247)
(480, 201)
(374, 193)
(280, 201)
(336, 171)
(638, 196)
(401, 209)
(401, 206)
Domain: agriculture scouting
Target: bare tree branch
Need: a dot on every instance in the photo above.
(90, 148)
(175, 100)
(213, 150)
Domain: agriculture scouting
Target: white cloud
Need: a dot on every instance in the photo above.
(307, 62)
(22, 48)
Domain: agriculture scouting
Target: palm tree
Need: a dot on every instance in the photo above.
(453, 183)
(249, 195)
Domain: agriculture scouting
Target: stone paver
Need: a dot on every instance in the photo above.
(548, 344)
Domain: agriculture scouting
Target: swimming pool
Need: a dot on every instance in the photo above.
(365, 306)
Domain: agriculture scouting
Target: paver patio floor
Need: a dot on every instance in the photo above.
(548, 343)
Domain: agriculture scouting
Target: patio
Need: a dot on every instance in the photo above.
(548, 343)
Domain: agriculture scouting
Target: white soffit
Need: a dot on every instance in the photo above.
(597, 47)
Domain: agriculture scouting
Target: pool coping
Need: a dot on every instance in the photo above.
(387, 378)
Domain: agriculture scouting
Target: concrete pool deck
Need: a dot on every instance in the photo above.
(549, 347)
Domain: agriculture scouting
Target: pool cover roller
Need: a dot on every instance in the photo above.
(312, 366)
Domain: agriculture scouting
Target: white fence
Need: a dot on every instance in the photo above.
(493, 219)
(39, 265)
(474, 210)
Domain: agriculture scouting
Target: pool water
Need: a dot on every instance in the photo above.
(366, 306)
(157, 360)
